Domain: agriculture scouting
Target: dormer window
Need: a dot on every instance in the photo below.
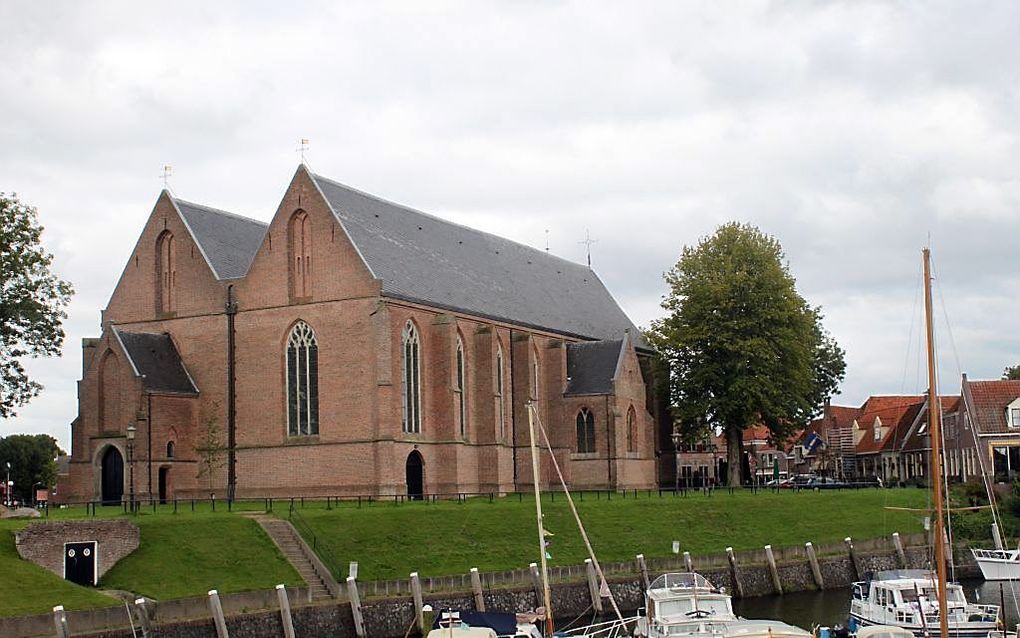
(878, 432)
(1014, 417)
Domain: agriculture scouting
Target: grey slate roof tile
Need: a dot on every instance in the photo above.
(591, 366)
(228, 241)
(423, 258)
(157, 361)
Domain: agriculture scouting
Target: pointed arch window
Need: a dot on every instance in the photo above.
(411, 379)
(302, 381)
(300, 254)
(500, 405)
(585, 431)
(460, 389)
(166, 268)
(631, 430)
(170, 449)
(534, 375)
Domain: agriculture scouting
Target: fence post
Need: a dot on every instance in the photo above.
(419, 616)
(60, 622)
(217, 613)
(643, 568)
(536, 584)
(900, 554)
(853, 557)
(738, 586)
(476, 587)
(770, 557)
(688, 563)
(359, 621)
(816, 571)
(593, 585)
(143, 617)
(285, 618)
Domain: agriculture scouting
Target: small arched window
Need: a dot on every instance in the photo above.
(302, 381)
(460, 388)
(631, 430)
(166, 269)
(169, 449)
(500, 405)
(585, 431)
(411, 379)
(300, 255)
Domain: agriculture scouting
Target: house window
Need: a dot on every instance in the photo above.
(300, 254)
(302, 381)
(500, 406)
(459, 389)
(1014, 419)
(631, 427)
(166, 267)
(411, 379)
(585, 431)
(878, 433)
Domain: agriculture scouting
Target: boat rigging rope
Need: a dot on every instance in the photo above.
(577, 517)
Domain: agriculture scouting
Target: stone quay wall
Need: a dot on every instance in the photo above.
(43, 543)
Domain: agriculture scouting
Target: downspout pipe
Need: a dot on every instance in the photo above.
(231, 310)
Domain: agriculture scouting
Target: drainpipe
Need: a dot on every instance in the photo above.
(231, 398)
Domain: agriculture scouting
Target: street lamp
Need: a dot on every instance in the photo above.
(7, 486)
(131, 462)
(676, 453)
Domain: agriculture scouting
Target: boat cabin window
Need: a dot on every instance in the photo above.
(883, 596)
(953, 595)
(685, 605)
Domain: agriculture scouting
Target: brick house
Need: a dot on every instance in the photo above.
(354, 346)
(992, 408)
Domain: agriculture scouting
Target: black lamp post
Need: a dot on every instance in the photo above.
(7, 486)
(131, 462)
(676, 452)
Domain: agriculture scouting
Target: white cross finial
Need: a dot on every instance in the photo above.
(303, 148)
(588, 241)
(167, 172)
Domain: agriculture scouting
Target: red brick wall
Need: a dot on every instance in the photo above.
(43, 543)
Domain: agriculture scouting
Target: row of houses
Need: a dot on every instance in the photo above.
(886, 437)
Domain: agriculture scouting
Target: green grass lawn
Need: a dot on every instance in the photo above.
(390, 541)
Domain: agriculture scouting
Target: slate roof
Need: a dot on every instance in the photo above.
(156, 360)
(591, 366)
(227, 241)
(988, 404)
(425, 259)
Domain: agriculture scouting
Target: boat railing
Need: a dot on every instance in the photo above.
(998, 554)
(609, 629)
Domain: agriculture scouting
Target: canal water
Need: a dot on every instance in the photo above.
(831, 607)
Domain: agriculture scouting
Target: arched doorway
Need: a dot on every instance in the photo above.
(113, 476)
(164, 484)
(415, 468)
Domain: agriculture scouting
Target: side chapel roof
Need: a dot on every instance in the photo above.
(155, 359)
(591, 366)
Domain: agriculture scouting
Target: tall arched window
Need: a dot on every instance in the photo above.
(585, 431)
(535, 386)
(460, 389)
(302, 381)
(631, 430)
(411, 379)
(166, 267)
(300, 254)
(500, 406)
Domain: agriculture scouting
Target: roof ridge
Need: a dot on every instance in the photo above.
(451, 223)
(220, 211)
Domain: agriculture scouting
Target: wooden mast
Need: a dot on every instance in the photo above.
(934, 427)
(541, 524)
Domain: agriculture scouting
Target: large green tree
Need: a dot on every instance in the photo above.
(31, 304)
(1011, 373)
(33, 462)
(742, 346)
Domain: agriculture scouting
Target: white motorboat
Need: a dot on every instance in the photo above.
(763, 629)
(686, 603)
(998, 564)
(909, 599)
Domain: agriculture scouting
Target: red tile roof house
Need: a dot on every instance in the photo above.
(879, 431)
(826, 446)
(915, 450)
(993, 409)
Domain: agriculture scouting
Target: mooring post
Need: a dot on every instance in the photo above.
(352, 593)
(593, 585)
(536, 584)
(476, 587)
(816, 571)
(738, 587)
(688, 563)
(996, 536)
(773, 569)
(853, 557)
(144, 621)
(60, 622)
(419, 617)
(900, 554)
(285, 618)
(643, 569)
(217, 613)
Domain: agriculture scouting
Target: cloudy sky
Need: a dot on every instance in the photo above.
(853, 132)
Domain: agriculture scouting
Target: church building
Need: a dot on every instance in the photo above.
(354, 346)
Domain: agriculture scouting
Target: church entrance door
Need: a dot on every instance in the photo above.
(415, 476)
(164, 484)
(112, 476)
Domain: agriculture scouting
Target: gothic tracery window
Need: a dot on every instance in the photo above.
(411, 379)
(302, 381)
(585, 431)
(631, 430)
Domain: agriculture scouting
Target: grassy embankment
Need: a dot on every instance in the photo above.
(180, 555)
(390, 541)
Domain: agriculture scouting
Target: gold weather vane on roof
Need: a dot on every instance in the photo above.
(301, 149)
(167, 172)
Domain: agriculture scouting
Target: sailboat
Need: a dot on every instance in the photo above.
(922, 601)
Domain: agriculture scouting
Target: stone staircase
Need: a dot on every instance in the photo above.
(320, 582)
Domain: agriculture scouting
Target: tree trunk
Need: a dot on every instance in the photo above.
(734, 454)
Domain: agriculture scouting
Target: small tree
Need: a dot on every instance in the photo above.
(33, 462)
(211, 449)
(32, 301)
(1011, 373)
(742, 346)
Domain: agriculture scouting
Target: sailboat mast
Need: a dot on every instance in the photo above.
(934, 427)
(541, 525)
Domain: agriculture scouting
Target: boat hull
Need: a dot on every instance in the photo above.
(975, 630)
(998, 564)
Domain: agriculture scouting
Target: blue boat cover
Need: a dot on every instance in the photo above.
(502, 623)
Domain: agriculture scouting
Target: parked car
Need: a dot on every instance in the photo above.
(825, 483)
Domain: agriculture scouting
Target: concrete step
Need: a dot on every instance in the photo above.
(287, 541)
